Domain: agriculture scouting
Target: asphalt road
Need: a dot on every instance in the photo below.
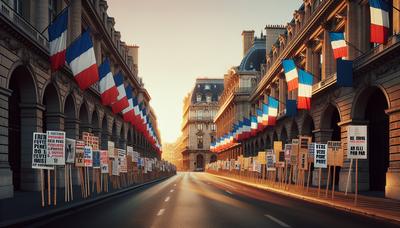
(201, 200)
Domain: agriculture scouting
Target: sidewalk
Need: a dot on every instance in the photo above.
(381, 208)
(25, 207)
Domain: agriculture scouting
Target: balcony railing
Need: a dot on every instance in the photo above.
(323, 84)
(15, 19)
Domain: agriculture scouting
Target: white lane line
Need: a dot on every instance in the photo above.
(228, 192)
(172, 190)
(160, 212)
(276, 220)
(166, 199)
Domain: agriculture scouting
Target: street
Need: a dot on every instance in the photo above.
(202, 200)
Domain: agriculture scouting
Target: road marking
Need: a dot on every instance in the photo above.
(228, 192)
(172, 190)
(160, 212)
(276, 220)
(166, 199)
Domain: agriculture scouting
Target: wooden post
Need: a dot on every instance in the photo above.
(356, 190)
(48, 187)
(55, 185)
(333, 183)
(66, 187)
(308, 175)
(319, 182)
(70, 182)
(348, 176)
(327, 182)
(42, 186)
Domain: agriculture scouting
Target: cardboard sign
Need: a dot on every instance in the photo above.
(115, 167)
(39, 153)
(277, 147)
(104, 161)
(55, 148)
(303, 161)
(270, 160)
(357, 142)
(311, 151)
(110, 146)
(294, 154)
(304, 141)
(335, 153)
(88, 156)
(70, 150)
(129, 152)
(262, 159)
(320, 157)
(288, 151)
(79, 153)
(96, 159)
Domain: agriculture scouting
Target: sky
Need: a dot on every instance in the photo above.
(181, 40)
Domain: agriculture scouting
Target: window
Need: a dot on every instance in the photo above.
(200, 142)
(198, 97)
(208, 98)
(207, 86)
(199, 127)
(17, 5)
(213, 127)
(212, 138)
(52, 10)
(199, 114)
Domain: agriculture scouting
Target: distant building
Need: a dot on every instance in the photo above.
(172, 152)
(199, 109)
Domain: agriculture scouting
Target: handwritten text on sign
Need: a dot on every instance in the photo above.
(55, 148)
(357, 142)
(39, 153)
(320, 155)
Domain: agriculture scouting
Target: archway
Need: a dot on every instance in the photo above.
(104, 133)
(284, 137)
(294, 130)
(84, 120)
(268, 142)
(51, 115)
(371, 106)
(308, 127)
(330, 120)
(213, 158)
(23, 93)
(199, 162)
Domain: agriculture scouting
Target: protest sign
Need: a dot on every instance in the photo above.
(262, 159)
(104, 161)
(79, 153)
(88, 156)
(270, 160)
(39, 153)
(288, 151)
(55, 148)
(320, 155)
(96, 159)
(115, 167)
(357, 142)
(110, 146)
(70, 150)
(129, 152)
(335, 153)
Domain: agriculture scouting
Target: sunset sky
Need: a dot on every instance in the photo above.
(181, 40)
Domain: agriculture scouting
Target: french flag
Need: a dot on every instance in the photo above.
(305, 90)
(136, 111)
(265, 115)
(253, 120)
(122, 100)
(58, 40)
(81, 59)
(291, 74)
(339, 45)
(128, 113)
(247, 128)
(379, 11)
(108, 90)
(272, 110)
(259, 120)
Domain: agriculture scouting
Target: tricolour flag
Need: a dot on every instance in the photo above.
(58, 40)
(128, 113)
(339, 45)
(265, 115)
(81, 59)
(260, 125)
(291, 74)
(379, 11)
(273, 105)
(108, 90)
(305, 90)
(253, 126)
(122, 100)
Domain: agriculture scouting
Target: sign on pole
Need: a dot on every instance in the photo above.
(357, 142)
(270, 160)
(55, 148)
(39, 153)
(262, 157)
(110, 147)
(70, 150)
(320, 155)
(104, 161)
(88, 156)
(96, 159)
(129, 152)
(79, 153)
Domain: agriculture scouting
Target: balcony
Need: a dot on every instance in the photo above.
(323, 84)
(21, 24)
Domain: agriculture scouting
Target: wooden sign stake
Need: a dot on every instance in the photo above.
(327, 182)
(48, 187)
(356, 190)
(55, 185)
(42, 186)
(319, 182)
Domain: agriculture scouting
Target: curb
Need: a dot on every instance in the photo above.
(347, 208)
(30, 219)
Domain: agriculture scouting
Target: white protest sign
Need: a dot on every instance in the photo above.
(70, 150)
(104, 161)
(39, 152)
(55, 148)
(88, 156)
(110, 146)
(320, 155)
(357, 142)
(129, 152)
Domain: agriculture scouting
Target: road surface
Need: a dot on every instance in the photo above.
(202, 200)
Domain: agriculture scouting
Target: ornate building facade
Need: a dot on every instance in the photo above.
(198, 129)
(33, 99)
(373, 100)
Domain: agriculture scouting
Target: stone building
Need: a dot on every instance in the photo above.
(33, 99)
(198, 128)
(373, 100)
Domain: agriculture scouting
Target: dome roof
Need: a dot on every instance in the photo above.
(255, 57)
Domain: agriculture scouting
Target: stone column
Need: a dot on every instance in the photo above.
(75, 19)
(97, 50)
(41, 14)
(54, 121)
(328, 63)
(31, 121)
(6, 182)
(353, 27)
(392, 188)
(72, 128)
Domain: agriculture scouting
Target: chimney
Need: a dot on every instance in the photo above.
(248, 39)
(133, 50)
(272, 34)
